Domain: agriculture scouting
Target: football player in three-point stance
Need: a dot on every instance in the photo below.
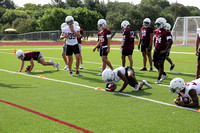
(126, 74)
(71, 33)
(197, 53)
(168, 27)
(163, 41)
(104, 37)
(34, 55)
(146, 39)
(186, 89)
(127, 43)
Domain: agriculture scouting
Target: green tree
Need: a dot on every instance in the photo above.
(74, 3)
(8, 4)
(161, 3)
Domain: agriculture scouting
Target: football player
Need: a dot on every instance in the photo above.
(127, 43)
(186, 89)
(104, 37)
(63, 25)
(126, 74)
(34, 55)
(162, 41)
(146, 39)
(79, 42)
(197, 53)
(168, 27)
(71, 33)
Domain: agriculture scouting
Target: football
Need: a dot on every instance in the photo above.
(27, 68)
(186, 100)
(111, 87)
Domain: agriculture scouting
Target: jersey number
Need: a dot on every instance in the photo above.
(144, 33)
(132, 34)
(72, 36)
(158, 39)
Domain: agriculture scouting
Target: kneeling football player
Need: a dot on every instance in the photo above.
(186, 91)
(33, 55)
(126, 74)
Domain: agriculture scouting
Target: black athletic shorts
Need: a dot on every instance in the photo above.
(157, 56)
(72, 49)
(127, 52)
(103, 51)
(130, 82)
(144, 45)
(199, 55)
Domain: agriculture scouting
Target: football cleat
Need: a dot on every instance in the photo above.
(66, 68)
(163, 77)
(137, 88)
(157, 81)
(81, 66)
(57, 66)
(151, 69)
(143, 69)
(147, 84)
(71, 74)
(172, 67)
(78, 73)
(99, 74)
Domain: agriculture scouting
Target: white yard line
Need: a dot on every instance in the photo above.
(77, 84)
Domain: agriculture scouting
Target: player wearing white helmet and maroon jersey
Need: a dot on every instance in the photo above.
(186, 89)
(168, 27)
(104, 37)
(146, 39)
(71, 33)
(127, 74)
(197, 53)
(127, 43)
(34, 55)
(162, 41)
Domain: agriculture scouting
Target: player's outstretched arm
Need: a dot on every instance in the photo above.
(123, 77)
(32, 65)
(22, 66)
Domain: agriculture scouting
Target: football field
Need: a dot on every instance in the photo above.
(59, 103)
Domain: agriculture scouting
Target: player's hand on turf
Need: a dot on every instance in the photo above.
(138, 47)
(26, 71)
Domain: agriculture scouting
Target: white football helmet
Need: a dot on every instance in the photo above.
(20, 53)
(177, 85)
(146, 20)
(124, 24)
(167, 26)
(198, 31)
(160, 23)
(108, 75)
(76, 23)
(101, 24)
(69, 19)
(63, 25)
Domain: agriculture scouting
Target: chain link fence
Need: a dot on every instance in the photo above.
(55, 36)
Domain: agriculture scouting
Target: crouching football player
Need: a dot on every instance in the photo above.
(34, 55)
(126, 74)
(186, 90)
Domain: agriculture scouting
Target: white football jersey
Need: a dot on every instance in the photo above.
(195, 84)
(198, 32)
(122, 70)
(72, 40)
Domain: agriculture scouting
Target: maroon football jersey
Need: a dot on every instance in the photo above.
(103, 37)
(79, 39)
(145, 33)
(161, 38)
(128, 39)
(29, 55)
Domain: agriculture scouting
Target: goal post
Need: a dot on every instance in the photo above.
(185, 29)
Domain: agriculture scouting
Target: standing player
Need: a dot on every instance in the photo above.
(197, 53)
(71, 33)
(104, 37)
(63, 25)
(126, 74)
(127, 43)
(79, 43)
(163, 41)
(34, 55)
(146, 38)
(168, 27)
(186, 89)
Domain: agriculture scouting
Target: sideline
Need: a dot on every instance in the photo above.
(72, 83)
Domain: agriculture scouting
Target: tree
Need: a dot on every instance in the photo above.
(74, 3)
(8, 4)
(161, 3)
